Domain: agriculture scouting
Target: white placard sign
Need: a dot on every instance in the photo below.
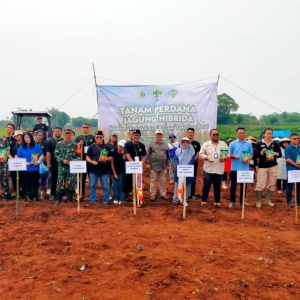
(134, 167)
(17, 164)
(77, 166)
(185, 170)
(293, 176)
(245, 176)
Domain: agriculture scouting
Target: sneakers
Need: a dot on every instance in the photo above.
(48, 192)
(290, 204)
(246, 204)
(224, 185)
(171, 181)
(116, 202)
(64, 198)
(279, 192)
(217, 204)
(165, 197)
(52, 198)
(203, 202)
(152, 198)
(231, 205)
(42, 196)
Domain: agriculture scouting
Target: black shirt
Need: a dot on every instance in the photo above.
(14, 149)
(119, 161)
(51, 148)
(87, 141)
(135, 150)
(42, 126)
(12, 143)
(197, 149)
(94, 153)
(263, 162)
(44, 146)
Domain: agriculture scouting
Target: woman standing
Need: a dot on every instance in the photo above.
(32, 153)
(281, 174)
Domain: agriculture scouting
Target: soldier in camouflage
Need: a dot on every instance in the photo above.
(4, 175)
(65, 151)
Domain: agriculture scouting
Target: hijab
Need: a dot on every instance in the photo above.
(185, 155)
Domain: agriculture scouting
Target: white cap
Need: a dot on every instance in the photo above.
(276, 139)
(158, 131)
(17, 132)
(121, 143)
(185, 139)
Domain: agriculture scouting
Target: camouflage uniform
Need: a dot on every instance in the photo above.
(65, 150)
(4, 175)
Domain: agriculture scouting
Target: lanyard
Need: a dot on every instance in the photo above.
(215, 147)
(86, 140)
(136, 149)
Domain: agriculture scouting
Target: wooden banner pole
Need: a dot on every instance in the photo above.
(184, 197)
(18, 193)
(133, 193)
(296, 203)
(243, 204)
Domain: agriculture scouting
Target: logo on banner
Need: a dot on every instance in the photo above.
(157, 94)
(173, 93)
(141, 94)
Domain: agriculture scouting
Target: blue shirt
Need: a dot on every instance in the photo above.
(31, 154)
(236, 148)
(291, 152)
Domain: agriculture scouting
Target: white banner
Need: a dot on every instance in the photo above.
(172, 108)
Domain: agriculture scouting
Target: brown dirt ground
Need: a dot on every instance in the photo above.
(212, 254)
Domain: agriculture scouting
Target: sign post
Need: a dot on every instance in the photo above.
(78, 167)
(184, 171)
(244, 177)
(17, 164)
(294, 176)
(134, 167)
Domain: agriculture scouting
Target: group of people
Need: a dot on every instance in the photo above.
(270, 159)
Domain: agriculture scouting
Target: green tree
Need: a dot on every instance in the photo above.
(226, 105)
(59, 118)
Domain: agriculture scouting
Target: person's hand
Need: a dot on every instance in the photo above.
(210, 159)
(36, 163)
(49, 166)
(264, 150)
(65, 162)
(167, 168)
(93, 162)
(28, 164)
(1, 159)
(81, 142)
(116, 176)
(148, 167)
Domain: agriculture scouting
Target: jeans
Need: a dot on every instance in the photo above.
(93, 178)
(289, 191)
(171, 172)
(193, 187)
(188, 191)
(118, 187)
(233, 179)
(44, 180)
(214, 179)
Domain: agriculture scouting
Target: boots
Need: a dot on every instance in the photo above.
(258, 197)
(59, 198)
(70, 195)
(268, 198)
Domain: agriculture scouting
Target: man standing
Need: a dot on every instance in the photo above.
(84, 141)
(266, 153)
(4, 154)
(52, 163)
(214, 154)
(292, 156)
(97, 157)
(158, 162)
(9, 129)
(173, 145)
(197, 147)
(41, 126)
(241, 152)
(133, 149)
(65, 151)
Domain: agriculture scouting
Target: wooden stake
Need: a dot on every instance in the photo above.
(18, 194)
(133, 193)
(80, 181)
(78, 196)
(296, 203)
(184, 197)
(243, 204)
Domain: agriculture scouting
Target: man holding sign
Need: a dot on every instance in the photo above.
(214, 153)
(292, 156)
(241, 152)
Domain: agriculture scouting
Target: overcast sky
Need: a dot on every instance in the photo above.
(47, 50)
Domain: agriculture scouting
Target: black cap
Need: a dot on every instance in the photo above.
(99, 132)
(136, 131)
(68, 131)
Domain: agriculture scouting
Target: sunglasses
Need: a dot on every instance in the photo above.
(99, 137)
(295, 138)
(215, 134)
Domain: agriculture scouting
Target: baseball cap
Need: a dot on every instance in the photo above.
(276, 139)
(185, 139)
(136, 131)
(158, 131)
(122, 143)
(17, 132)
(70, 131)
(99, 132)
(172, 135)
